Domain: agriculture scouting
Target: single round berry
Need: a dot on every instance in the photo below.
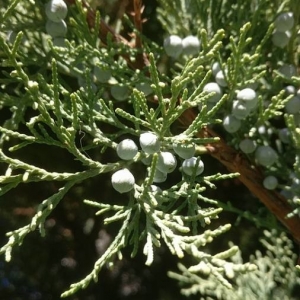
(144, 87)
(56, 10)
(102, 73)
(231, 124)
(213, 87)
(173, 45)
(220, 79)
(288, 70)
(240, 110)
(281, 39)
(147, 160)
(191, 45)
(265, 155)
(216, 68)
(166, 162)
(149, 142)
(284, 135)
(270, 182)
(285, 21)
(59, 42)
(123, 181)
(262, 129)
(83, 82)
(290, 90)
(246, 94)
(56, 29)
(119, 92)
(247, 146)
(293, 105)
(155, 189)
(127, 149)
(191, 165)
(248, 97)
(159, 176)
(184, 150)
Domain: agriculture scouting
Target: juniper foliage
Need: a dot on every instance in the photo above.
(84, 92)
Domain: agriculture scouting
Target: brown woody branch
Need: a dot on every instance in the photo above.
(234, 161)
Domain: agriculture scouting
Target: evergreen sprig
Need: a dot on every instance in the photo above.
(274, 275)
(55, 98)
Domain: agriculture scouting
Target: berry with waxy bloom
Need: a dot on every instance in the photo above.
(166, 162)
(213, 87)
(247, 146)
(127, 149)
(270, 182)
(119, 92)
(56, 10)
(149, 142)
(184, 150)
(123, 181)
(191, 45)
(281, 39)
(173, 46)
(240, 110)
(265, 155)
(189, 165)
(284, 21)
(293, 105)
(56, 29)
(248, 97)
(231, 124)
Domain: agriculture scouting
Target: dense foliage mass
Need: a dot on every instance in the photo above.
(136, 136)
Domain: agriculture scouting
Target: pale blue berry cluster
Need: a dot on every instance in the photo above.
(56, 11)
(175, 45)
(123, 180)
(245, 105)
(104, 73)
(293, 105)
(246, 101)
(219, 74)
